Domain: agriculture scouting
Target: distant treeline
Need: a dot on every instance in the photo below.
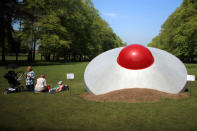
(178, 34)
(72, 29)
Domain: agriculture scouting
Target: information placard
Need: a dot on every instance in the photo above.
(190, 77)
(70, 76)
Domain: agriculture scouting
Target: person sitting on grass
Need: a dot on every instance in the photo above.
(41, 84)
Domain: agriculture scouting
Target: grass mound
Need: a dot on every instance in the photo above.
(135, 95)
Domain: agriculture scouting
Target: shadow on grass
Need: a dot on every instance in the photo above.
(11, 64)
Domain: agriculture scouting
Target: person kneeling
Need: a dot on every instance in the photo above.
(41, 84)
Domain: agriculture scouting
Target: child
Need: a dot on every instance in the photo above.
(59, 88)
(41, 84)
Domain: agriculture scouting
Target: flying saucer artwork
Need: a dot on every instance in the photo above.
(135, 66)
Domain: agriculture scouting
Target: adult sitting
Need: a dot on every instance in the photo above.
(41, 84)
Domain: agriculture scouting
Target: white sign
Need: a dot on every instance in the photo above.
(70, 76)
(190, 77)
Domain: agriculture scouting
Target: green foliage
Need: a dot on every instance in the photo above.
(179, 33)
(8, 13)
(68, 28)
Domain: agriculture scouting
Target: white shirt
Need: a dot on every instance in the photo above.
(41, 83)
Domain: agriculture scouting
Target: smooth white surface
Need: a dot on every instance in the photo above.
(103, 74)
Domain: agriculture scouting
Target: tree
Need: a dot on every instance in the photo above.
(7, 14)
(51, 35)
(78, 24)
(71, 29)
(179, 32)
(33, 10)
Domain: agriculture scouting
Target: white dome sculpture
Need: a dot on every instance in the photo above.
(164, 72)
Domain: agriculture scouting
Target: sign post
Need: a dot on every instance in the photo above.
(190, 78)
(69, 77)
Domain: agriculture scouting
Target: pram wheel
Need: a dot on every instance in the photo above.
(20, 88)
(66, 88)
(6, 92)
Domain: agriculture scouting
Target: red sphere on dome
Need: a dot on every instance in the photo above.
(135, 57)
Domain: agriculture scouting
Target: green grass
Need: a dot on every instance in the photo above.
(29, 111)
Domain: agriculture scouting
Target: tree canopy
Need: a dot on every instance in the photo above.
(72, 29)
(178, 34)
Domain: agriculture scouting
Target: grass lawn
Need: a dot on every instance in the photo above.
(29, 111)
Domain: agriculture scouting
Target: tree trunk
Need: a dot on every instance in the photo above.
(33, 37)
(30, 56)
(33, 52)
(18, 42)
(41, 57)
(3, 45)
(64, 57)
(3, 48)
(2, 33)
(80, 58)
(30, 51)
(34, 49)
(53, 56)
(69, 57)
(31, 44)
(74, 57)
(16, 55)
(47, 57)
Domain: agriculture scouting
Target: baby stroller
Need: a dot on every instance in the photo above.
(13, 79)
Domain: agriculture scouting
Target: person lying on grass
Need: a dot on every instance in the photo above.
(41, 84)
(59, 88)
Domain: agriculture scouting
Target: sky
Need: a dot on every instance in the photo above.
(136, 21)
